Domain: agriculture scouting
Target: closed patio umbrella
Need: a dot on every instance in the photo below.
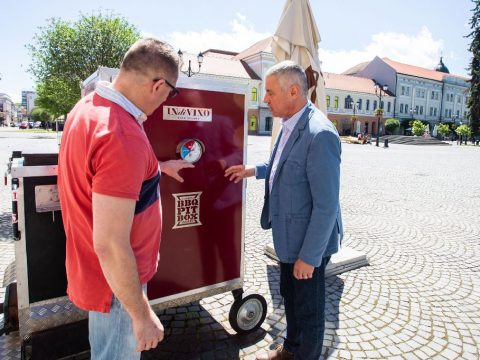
(297, 38)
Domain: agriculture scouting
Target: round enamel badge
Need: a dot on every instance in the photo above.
(190, 150)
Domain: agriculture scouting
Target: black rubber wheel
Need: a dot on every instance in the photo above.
(247, 315)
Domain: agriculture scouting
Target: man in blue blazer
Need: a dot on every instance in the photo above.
(302, 182)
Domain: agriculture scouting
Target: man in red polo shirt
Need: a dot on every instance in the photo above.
(108, 183)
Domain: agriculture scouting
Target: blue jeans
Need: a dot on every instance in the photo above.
(304, 302)
(111, 334)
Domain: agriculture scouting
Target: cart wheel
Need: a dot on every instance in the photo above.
(247, 314)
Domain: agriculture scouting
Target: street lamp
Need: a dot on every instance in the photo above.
(378, 92)
(354, 117)
(413, 111)
(189, 72)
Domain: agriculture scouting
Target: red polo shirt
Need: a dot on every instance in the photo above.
(104, 150)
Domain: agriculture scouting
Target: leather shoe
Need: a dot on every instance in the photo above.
(279, 353)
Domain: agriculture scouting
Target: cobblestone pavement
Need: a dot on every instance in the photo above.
(414, 210)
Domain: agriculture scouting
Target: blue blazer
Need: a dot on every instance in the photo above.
(303, 208)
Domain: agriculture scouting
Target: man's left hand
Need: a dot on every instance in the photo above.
(302, 270)
(172, 167)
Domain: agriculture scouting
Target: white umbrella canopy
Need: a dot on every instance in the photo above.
(297, 38)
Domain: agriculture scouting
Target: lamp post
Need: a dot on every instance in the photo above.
(378, 92)
(413, 111)
(354, 117)
(189, 72)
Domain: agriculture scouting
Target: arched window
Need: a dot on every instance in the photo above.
(359, 104)
(348, 102)
(335, 102)
(254, 94)
(327, 98)
(374, 105)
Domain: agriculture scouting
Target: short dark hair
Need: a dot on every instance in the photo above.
(152, 57)
(289, 73)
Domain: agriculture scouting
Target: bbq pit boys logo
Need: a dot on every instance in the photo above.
(187, 209)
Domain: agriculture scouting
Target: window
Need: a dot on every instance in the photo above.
(374, 105)
(367, 104)
(388, 106)
(359, 104)
(434, 111)
(431, 111)
(348, 102)
(254, 94)
(459, 100)
(458, 113)
(407, 91)
(446, 113)
(421, 110)
(382, 105)
(406, 108)
(335, 102)
(268, 123)
(420, 93)
(403, 90)
(401, 108)
(327, 98)
(432, 95)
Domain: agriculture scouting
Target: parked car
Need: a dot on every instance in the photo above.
(37, 125)
(24, 125)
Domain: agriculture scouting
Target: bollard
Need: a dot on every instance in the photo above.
(385, 143)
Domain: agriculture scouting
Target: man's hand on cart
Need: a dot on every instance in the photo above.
(239, 172)
(148, 331)
(172, 167)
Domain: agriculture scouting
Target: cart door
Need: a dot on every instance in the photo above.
(203, 216)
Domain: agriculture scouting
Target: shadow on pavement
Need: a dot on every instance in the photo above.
(197, 335)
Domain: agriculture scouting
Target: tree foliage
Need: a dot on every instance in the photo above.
(443, 129)
(464, 130)
(474, 68)
(391, 125)
(39, 114)
(65, 53)
(418, 128)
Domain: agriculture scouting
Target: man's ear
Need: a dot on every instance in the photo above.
(294, 91)
(156, 85)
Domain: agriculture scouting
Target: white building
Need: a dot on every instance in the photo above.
(8, 111)
(429, 95)
(28, 101)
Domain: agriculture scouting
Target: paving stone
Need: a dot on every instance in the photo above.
(420, 296)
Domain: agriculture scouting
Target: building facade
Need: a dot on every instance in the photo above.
(432, 96)
(28, 101)
(8, 110)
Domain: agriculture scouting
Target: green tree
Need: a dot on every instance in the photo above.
(391, 125)
(39, 114)
(418, 128)
(65, 53)
(474, 68)
(464, 131)
(443, 129)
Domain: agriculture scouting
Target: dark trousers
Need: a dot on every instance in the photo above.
(304, 302)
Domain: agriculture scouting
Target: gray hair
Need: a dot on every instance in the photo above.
(151, 56)
(289, 73)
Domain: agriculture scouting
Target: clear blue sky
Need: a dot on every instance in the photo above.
(410, 31)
